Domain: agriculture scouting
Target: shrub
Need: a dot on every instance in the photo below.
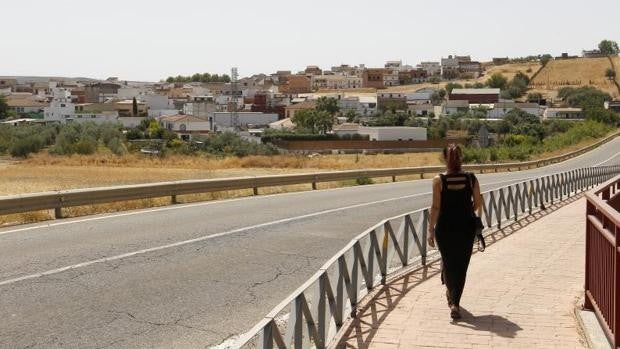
(364, 180)
(22, 147)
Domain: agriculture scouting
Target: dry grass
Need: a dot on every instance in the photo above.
(44, 172)
(575, 73)
(510, 70)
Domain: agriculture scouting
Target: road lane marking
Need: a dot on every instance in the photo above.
(213, 236)
(199, 204)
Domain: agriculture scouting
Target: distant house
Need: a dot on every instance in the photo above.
(26, 105)
(334, 82)
(294, 84)
(346, 129)
(564, 113)
(294, 108)
(500, 109)
(313, 70)
(185, 126)
(223, 120)
(475, 95)
(431, 68)
(101, 91)
(420, 109)
(394, 133)
(452, 107)
(373, 77)
(592, 54)
(360, 105)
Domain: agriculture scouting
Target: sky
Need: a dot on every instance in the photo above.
(147, 40)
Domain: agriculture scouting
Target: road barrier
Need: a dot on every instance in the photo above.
(602, 287)
(313, 315)
(79, 197)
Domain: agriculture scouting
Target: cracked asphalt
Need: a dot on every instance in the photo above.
(197, 294)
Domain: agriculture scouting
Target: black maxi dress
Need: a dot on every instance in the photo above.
(454, 231)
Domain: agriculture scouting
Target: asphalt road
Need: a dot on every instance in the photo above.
(191, 276)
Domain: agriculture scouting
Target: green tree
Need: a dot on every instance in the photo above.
(134, 107)
(327, 104)
(544, 59)
(4, 107)
(610, 74)
(451, 86)
(170, 79)
(534, 97)
(497, 80)
(196, 77)
(608, 47)
(315, 121)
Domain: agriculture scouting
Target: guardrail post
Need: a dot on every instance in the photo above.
(58, 212)
(313, 185)
(393, 178)
(173, 199)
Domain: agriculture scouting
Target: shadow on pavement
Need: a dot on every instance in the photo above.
(488, 323)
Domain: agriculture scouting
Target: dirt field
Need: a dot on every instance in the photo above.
(574, 73)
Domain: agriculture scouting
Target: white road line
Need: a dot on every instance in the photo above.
(213, 236)
(202, 238)
(198, 204)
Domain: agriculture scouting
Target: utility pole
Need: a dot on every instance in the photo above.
(234, 115)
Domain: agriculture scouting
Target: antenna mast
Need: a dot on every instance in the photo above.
(234, 115)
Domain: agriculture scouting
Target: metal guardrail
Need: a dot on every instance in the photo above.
(313, 314)
(78, 197)
(602, 284)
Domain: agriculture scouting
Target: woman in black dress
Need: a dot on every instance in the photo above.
(456, 196)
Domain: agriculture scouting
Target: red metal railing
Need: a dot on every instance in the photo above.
(602, 288)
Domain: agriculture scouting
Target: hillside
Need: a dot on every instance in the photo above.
(574, 73)
(508, 70)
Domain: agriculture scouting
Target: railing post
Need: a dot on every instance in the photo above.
(58, 212)
(173, 199)
(393, 178)
(313, 185)
(616, 305)
(255, 190)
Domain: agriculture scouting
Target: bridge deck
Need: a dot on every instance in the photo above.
(521, 292)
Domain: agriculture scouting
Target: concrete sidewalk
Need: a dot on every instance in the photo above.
(520, 293)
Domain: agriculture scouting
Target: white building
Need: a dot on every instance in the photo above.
(391, 78)
(335, 82)
(200, 106)
(361, 105)
(62, 110)
(499, 110)
(245, 119)
(186, 126)
(564, 113)
(431, 68)
(394, 133)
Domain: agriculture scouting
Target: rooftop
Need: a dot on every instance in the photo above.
(475, 91)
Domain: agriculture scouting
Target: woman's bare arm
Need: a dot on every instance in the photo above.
(434, 211)
(477, 197)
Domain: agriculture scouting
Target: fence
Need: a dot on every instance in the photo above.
(602, 288)
(313, 314)
(79, 197)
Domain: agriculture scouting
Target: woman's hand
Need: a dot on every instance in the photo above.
(431, 238)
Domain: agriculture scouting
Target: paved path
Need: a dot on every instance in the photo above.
(520, 293)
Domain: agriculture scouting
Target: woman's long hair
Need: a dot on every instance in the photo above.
(454, 158)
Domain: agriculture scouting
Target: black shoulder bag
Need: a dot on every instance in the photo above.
(477, 223)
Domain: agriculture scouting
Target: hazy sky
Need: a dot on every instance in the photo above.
(149, 40)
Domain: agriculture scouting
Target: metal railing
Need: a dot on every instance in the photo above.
(313, 314)
(79, 197)
(602, 286)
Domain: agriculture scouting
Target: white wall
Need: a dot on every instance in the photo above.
(394, 133)
(223, 119)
